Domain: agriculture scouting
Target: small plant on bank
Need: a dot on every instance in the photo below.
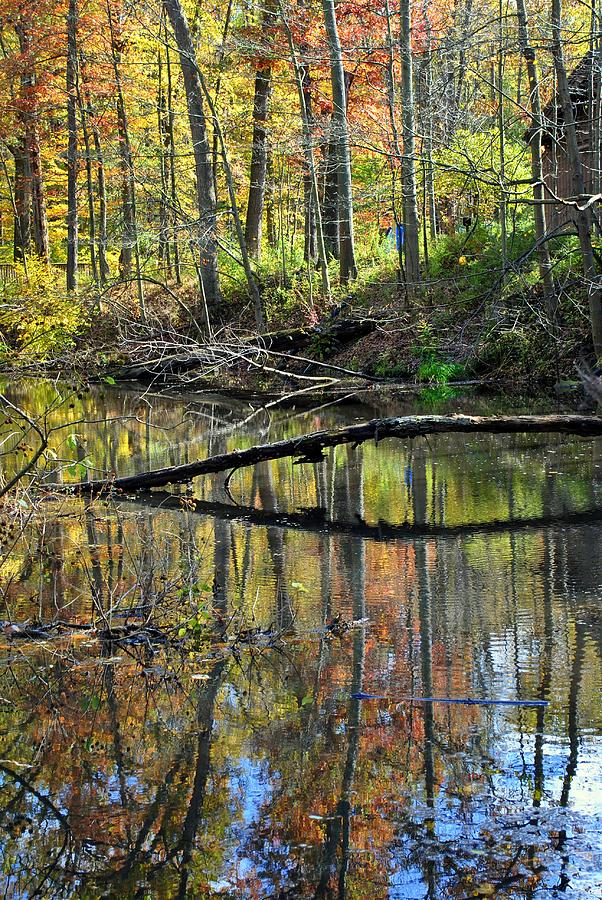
(433, 368)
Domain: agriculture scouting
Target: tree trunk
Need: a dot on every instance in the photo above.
(38, 223)
(410, 193)
(330, 206)
(263, 89)
(205, 188)
(582, 217)
(72, 151)
(246, 262)
(347, 265)
(164, 245)
(429, 174)
(89, 182)
(38, 199)
(310, 236)
(169, 125)
(308, 153)
(129, 241)
(102, 205)
(218, 87)
(309, 448)
(22, 198)
(539, 215)
(270, 218)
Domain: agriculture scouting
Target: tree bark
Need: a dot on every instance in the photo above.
(72, 151)
(308, 152)
(270, 218)
(205, 188)
(309, 448)
(29, 117)
(539, 215)
(22, 198)
(169, 127)
(310, 227)
(258, 172)
(408, 128)
(330, 206)
(347, 264)
(129, 241)
(582, 217)
(89, 183)
(163, 147)
(38, 199)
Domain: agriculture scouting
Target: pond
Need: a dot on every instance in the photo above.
(261, 728)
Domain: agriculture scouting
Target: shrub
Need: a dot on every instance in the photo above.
(38, 317)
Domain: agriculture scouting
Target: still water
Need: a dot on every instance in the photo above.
(264, 733)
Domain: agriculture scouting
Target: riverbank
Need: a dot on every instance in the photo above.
(445, 335)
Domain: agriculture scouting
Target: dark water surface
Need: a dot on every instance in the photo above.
(223, 751)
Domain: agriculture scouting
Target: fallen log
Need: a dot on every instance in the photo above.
(340, 331)
(309, 448)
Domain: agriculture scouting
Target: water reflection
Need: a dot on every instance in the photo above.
(235, 758)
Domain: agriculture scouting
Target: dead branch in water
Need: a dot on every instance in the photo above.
(309, 447)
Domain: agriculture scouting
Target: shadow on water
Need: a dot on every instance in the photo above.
(251, 723)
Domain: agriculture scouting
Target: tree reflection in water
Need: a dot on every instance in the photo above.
(222, 761)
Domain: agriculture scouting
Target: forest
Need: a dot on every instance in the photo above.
(300, 449)
(173, 173)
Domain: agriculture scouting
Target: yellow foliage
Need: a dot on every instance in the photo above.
(37, 316)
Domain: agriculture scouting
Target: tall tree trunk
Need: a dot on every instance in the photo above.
(38, 199)
(347, 265)
(205, 189)
(582, 217)
(72, 160)
(429, 185)
(164, 245)
(390, 81)
(218, 87)
(310, 236)
(263, 89)
(270, 218)
(410, 194)
(246, 262)
(102, 205)
(169, 125)
(22, 199)
(38, 223)
(502, 141)
(89, 182)
(330, 206)
(539, 214)
(309, 156)
(90, 115)
(129, 242)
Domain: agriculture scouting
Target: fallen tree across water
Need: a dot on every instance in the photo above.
(309, 448)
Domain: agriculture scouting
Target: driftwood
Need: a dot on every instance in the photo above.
(309, 448)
